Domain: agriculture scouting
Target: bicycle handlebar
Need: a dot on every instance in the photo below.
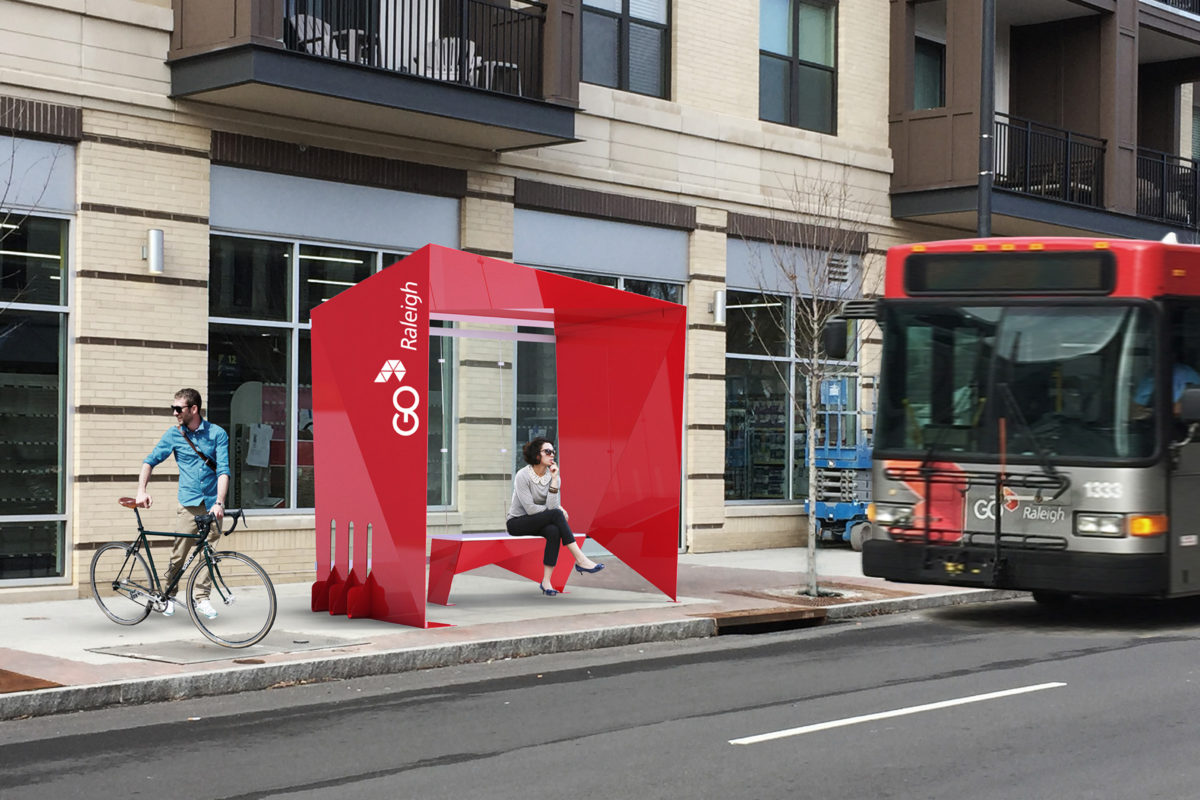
(201, 520)
(205, 520)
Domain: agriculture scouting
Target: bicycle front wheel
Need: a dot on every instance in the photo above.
(121, 583)
(240, 595)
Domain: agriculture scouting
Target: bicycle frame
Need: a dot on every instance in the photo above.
(142, 544)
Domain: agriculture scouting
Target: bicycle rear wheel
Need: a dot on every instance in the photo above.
(121, 583)
(241, 595)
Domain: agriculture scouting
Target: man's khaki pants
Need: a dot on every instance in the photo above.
(184, 523)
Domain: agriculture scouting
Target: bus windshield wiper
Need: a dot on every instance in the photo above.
(1010, 402)
(1014, 409)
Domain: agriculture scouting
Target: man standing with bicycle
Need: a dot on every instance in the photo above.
(201, 451)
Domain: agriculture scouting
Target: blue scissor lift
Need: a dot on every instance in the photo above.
(843, 462)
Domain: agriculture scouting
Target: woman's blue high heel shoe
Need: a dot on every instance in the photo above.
(547, 592)
(594, 569)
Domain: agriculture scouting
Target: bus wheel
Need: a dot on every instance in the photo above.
(1048, 598)
(859, 533)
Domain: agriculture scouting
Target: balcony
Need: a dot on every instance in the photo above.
(1167, 187)
(1049, 162)
(1190, 6)
(487, 74)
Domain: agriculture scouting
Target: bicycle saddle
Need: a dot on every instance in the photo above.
(128, 502)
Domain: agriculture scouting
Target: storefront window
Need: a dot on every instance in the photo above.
(325, 271)
(671, 292)
(249, 278)
(757, 410)
(32, 251)
(249, 398)
(765, 397)
(260, 365)
(756, 324)
(32, 395)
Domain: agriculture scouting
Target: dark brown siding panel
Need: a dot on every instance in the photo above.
(268, 155)
(766, 229)
(40, 120)
(587, 203)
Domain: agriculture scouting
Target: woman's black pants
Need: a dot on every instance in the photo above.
(551, 525)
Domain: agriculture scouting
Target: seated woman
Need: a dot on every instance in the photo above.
(537, 510)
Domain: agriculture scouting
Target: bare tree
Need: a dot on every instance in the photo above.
(816, 260)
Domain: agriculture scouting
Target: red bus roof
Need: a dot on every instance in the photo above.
(1144, 269)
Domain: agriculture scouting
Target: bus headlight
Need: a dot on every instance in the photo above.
(1099, 524)
(892, 514)
(1121, 524)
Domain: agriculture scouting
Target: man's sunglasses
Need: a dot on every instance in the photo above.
(178, 409)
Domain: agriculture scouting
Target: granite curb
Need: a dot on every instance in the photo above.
(869, 608)
(247, 678)
(252, 677)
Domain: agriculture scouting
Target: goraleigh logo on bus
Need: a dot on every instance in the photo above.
(985, 508)
(406, 399)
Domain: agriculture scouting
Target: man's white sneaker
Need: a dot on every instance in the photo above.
(205, 608)
(169, 610)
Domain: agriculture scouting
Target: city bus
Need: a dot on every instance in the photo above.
(1036, 421)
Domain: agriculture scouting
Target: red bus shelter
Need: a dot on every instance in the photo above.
(620, 405)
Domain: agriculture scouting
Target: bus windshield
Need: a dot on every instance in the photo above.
(1060, 382)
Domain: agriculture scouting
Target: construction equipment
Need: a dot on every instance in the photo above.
(843, 461)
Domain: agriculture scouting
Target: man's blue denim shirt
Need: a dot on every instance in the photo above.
(197, 481)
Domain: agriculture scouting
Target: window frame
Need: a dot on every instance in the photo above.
(64, 309)
(920, 41)
(382, 258)
(624, 19)
(795, 63)
(790, 362)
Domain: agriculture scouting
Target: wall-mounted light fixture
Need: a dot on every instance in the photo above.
(152, 251)
(718, 306)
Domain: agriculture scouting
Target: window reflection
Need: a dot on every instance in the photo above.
(248, 397)
(249, 278)
(325, 271)
(33, 254)
(757, 407)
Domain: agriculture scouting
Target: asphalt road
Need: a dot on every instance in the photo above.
(1004, 700)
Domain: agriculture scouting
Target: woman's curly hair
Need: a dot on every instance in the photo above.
(533, 450)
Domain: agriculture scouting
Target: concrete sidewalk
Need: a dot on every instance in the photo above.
(85, 661)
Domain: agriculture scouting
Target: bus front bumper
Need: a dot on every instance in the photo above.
(1136, 574)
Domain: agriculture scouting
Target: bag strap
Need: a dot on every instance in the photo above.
(207, 461)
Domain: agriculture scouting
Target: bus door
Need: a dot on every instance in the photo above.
(1183, 325)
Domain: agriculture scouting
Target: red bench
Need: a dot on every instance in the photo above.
(452, 553)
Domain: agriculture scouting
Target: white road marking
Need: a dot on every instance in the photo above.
(899, 712)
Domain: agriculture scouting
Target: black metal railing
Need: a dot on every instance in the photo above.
(1049, 162)
(1166, 187)
(468, 42)
(1191, 6)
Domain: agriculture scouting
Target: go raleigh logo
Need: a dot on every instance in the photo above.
(405, 399)
(985, 508)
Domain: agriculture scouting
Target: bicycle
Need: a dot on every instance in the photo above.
(127, 589)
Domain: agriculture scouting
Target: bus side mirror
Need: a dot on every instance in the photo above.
(1189, 405)
(833, 339)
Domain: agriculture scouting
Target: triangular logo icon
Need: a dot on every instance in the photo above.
(389, 369)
